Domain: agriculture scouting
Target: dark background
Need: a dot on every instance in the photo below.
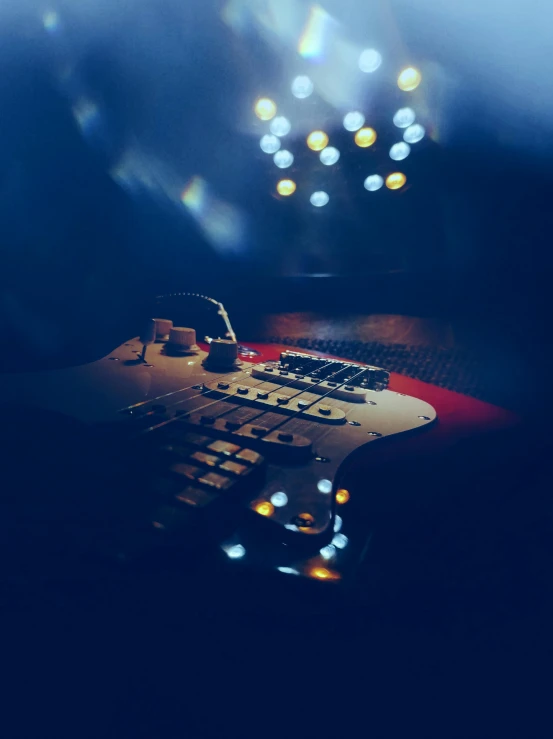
(453, 635)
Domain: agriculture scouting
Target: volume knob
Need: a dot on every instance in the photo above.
(223, 354)
(163, 328)
(183, 339)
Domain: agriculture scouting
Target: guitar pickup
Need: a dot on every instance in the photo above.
(339, 390)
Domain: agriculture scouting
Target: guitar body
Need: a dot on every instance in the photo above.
(270, 463)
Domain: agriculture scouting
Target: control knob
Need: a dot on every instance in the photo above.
(182, 340)
(223, 354)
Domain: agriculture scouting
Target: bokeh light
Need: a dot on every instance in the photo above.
(265, 508)
(353, 120)
(236, 551)
(398, 151)
(265, 109)
(328, 552)
(340, 541)
(369, 60)
(373, 182)
(317, 140)
(329, 156)
(404, 117)
(337, 523)
(321, 573)
(302, 87)
(284, 158)
(324, 486)
(269, 143)
(318, 199)
(308, 520)
(365, 137)
(286, 187)
(280, 126)
(288, 570)
(313, 39)
(279, 499)
(395, 180)
(51, 21)
(342, 496)
(409, 79)
(414, 134)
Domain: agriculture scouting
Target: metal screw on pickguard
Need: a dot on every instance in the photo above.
(114, 359)
(354, 423)
(323, 460)
(371, 402)
(374, 433)
(424, 418)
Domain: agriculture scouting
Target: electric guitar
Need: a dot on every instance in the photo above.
(247, 453)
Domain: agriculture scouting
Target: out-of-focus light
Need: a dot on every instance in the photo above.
(395, 180)
(340, 541)
(286, 187)
(370, 60)
(354, 120)
(237, 551)
(265, 508)
(318, 199)
(221, 223)
(314, 37)
(328, 552)
(51, 21)
(87, 115)
(329, 156)
(414, 134)
(280, 126)
(308, 519)
(269, 143)
(409, 79)
(324, 486)
(302, 87)
(288, 570)
(317, 140)
(337, 524)
(265, 109)
(365, 137)
(279, 499)
(399, 151)
(373, 182)
(321, 573)
(284, 158)
(404, 117)
(342, 496)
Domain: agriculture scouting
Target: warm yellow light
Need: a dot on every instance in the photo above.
(317, 140)
(306, 518)
(342, 496)
(265, 509)
(286, 187)
(365, 137)
(265, 109)
(321, 573)
(409, 79)
(395, 180)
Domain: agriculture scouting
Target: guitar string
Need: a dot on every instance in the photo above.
(260, 381)
(231, 406)
(286, 418)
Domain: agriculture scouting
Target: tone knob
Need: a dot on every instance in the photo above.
(183, 339)
(163, 328)
(223, 354)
